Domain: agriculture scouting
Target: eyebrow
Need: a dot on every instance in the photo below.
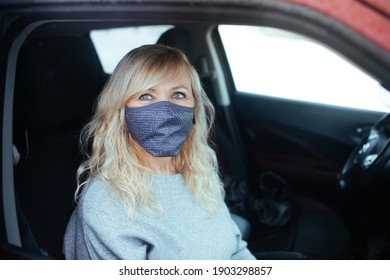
(180, 86)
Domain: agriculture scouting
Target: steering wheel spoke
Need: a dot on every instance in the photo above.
(368, 157)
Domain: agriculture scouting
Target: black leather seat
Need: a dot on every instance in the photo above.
(56, 84)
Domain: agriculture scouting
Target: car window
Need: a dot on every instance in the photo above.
(283, 64)
(112, 44)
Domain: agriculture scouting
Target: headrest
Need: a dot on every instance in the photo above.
(179, 38)
(56, 82)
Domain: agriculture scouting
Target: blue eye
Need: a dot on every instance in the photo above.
(145, 97)
(178, 95)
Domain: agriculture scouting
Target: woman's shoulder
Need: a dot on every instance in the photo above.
(97, 194)
(98, 211)
(94, 189)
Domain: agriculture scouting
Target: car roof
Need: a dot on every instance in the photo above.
(370, 18)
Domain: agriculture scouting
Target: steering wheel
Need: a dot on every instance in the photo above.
(368, 157)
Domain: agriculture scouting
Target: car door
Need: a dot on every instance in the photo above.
(300, 105)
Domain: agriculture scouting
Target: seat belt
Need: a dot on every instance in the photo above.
(27, 236)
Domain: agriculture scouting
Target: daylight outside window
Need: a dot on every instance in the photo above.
(282, 64)
(112, 44)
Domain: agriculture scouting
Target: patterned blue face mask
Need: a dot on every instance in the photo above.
(160, 128)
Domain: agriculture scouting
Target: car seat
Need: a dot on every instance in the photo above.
(57, 81)
(316, 232)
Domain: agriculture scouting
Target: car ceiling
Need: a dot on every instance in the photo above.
(370, 18)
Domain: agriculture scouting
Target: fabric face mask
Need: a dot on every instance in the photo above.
(160, 128)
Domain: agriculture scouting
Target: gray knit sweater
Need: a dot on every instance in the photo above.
(99, 228)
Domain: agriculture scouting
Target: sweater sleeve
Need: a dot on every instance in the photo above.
(99, 229)
(242, 252)
(106, 238)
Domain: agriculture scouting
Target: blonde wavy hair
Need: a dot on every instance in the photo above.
(115, 156)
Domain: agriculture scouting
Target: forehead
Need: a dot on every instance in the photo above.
(173, 77)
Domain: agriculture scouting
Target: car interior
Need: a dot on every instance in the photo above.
(295, 148)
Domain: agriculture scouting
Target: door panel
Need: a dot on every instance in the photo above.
(306, 143)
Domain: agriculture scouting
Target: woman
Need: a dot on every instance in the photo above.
(150, 187)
